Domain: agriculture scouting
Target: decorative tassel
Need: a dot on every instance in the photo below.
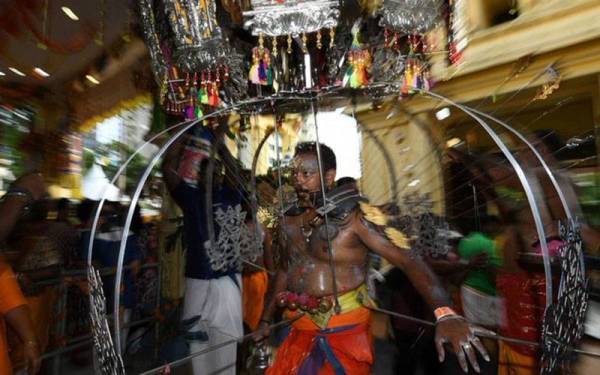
(253, 75)
(214, 99)
(261, 71)
(359, 61)
(189, 113)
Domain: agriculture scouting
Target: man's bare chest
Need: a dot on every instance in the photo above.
(306, 237)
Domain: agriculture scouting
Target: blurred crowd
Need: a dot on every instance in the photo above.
(44, 287)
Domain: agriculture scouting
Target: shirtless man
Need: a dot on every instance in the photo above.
(335, 339)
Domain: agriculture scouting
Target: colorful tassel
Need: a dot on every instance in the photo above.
(359, 60)
(261, 70)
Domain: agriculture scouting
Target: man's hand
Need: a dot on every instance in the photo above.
(460, 335)
(31, 352)
(262, 332)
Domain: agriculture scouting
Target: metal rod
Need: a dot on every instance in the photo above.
(337, 306)
(112, 181)
(81, 273)
(494, 336)
(279, 177)
(215, 347)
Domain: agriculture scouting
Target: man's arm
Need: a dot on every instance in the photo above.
(171, 163)
(277, 283)
(419, 273)
(19, 319)
(451, 328)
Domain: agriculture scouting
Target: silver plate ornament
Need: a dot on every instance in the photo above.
(108, 361)
(194, 43)
(157, 58)
(411, 16)
(291, 17)
(235, 243)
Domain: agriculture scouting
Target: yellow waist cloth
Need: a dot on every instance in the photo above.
(349, 301)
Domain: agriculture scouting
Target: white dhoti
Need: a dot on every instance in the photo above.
(214, 310)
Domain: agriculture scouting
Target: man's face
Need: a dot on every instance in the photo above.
(306, 174)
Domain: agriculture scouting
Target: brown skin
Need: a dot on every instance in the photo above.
(304, 264)
(11, 208)
(19, 319)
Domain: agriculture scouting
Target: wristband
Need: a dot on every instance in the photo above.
(443, 312)
(17, 191)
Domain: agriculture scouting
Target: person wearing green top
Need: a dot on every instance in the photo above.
(473, 245)
(478, 291)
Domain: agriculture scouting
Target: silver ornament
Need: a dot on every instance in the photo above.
(294, 17)
(411, 16)
(236, 242)
(109, 362)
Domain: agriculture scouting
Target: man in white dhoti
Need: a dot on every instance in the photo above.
(212, 311)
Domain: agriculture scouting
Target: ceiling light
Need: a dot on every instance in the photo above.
(70, 13)
(2, 74)
(16, 71)
(443, 113)
(92, 79)
(41, 72)
(453, 142)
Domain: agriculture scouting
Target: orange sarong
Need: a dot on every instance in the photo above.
(253, 295)
(10, 298)
(343, 347)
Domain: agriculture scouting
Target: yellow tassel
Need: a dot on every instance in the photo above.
(373, 214)
(397, 238)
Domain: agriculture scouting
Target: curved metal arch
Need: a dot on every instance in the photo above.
(129, 219)
(253, 191)
(522, 178)
(112, 181)
(547, 169)
(516, 166)
(557, 188)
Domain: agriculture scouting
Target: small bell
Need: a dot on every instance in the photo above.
(260, 360)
